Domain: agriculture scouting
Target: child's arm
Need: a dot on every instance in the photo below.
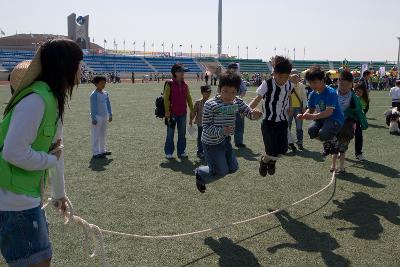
(93, 107)
(109, 107)
(261, 91)
(247, 111)
(194, 114)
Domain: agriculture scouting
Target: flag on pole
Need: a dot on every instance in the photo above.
(2, 33)
(105, 41)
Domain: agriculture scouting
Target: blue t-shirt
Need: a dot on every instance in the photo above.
(328, 98)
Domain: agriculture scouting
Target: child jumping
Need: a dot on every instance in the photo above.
(351, 106)
(218, 125)
(277, 106)
(197, 116)
(324, 110)
(100, 112)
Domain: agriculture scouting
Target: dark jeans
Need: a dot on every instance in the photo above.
(180, 123)
(325, 129)
(358, 139)
(299, 126)
(239, 129)
(221, 160)
(199, 144)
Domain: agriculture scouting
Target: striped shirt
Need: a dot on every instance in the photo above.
(217, 115)
(276, 100)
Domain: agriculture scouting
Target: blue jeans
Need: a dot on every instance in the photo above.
(220, 161)
(299, 125)
(199, 144)
(239, 129)
(180, 123)
(24, 237)
(325, 129)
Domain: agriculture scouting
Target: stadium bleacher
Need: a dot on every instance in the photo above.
(247, 65)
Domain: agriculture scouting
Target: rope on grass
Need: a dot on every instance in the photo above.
(94, 234)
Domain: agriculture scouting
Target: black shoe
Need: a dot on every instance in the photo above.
(293, 148)
(300, 147)
(99, 156)
(200, 186)
(263, 168)
(108, 153)
(241, 145)
(271, 167)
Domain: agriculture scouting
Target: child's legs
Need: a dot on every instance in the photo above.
(96, 138)
(314, 128)
(169, 142)
(329, 130)
(217, 166)
(342, 158)
(239, 129)
(181, 126)
(103, 135)
(275, 139)
(199, 144)
(289, 135)
(231, 160)
(334, 160)
(299, 126)
(358, 139)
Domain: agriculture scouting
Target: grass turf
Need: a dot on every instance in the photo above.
(136, 190)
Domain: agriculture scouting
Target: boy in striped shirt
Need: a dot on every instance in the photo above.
(277, 107)
(219, 115)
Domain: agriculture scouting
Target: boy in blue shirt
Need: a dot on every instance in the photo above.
(100, 112)
(324, 110)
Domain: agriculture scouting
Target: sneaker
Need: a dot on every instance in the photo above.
(183, 155)
(271, 167)
(108, 153)
(360, 157)
(263, 168)
(293, 148)
(99, 156)
(300, 147)
(241, 145)
(169, 156)
(199, 185)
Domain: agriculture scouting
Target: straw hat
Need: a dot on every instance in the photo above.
(26, 73)
(23, 75)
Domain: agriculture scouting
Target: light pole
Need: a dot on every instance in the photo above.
(247, 52)
(191, 50)
(144, 48)
(398, 60)
(294, 54)
(210, 50)
(163, 49)
(134, 47)
(275, 51)
(201, 46)
(238, 51)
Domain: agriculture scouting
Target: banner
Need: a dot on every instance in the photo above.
(364, 67)
(382, 71)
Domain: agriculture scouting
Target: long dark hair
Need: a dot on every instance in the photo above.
(363, 88)
(60, 59)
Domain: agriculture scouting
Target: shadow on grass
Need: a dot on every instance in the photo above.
(351, 177)
(376, 167)
(98, 165)
(375, 126)
(309, 240)
(230, 253)
(247, 154)
(185, 166)
(362, 211)
(307, 154)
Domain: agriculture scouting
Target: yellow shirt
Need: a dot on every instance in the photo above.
(301, 92)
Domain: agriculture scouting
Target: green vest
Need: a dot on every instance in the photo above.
(15, 179)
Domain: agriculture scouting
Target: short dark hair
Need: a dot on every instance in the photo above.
(315, 73)
(366, 73)
(346, 76)
(98, 78)
(282, 65)
(229, 79)
(205, 88)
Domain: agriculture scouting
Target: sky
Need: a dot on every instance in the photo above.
(328, 30)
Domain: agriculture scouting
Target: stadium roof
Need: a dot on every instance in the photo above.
(31, 41)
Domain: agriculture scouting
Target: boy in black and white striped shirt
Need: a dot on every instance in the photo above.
(277, 106)
(219, 115)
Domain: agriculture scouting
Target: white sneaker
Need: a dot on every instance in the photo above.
(361, 157)
(184, 155)
(169, 156)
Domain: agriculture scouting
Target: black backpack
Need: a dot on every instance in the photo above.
(160, 109)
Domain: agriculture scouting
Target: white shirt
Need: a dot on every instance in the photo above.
(276, 100)
(395, 94)
(17, 150)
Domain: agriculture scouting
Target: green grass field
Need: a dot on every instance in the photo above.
(137, 191)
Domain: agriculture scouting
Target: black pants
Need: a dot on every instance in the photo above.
(275, 137)
(396, 104)
(358, 139)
